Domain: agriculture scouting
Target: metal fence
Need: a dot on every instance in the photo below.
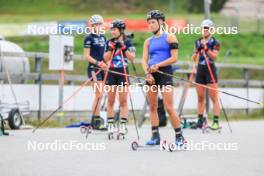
(38, 76)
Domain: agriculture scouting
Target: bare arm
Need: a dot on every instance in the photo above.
(130, 55)
(87, 56)
(108, 55)
(145, 56)
(213, 53)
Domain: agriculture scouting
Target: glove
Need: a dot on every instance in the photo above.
(203, 47)
(100, 64)
(121, 45)
(111, 46)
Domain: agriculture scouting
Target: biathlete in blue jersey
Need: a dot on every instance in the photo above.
(159, 53)
(94, 47)
(123, 51)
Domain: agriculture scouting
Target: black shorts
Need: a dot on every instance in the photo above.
(99, 76)
(116, 79)
(203, 75)
(161, 79)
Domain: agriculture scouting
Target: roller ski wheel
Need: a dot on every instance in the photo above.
(205, 128)
(86, 130)
(120, 136)
(174, 147)
(134, 145)
(110, 136)
(126, 131)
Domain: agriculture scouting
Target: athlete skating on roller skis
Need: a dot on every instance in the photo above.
(208, 48)
(124, 51)
(94, 46)
(159, 53)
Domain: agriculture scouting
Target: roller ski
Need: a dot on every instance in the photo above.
(110, 131)
(122, 131)
(155, 145)
(96, 125)
(215, 127)
(202, 124)
(179, 144)
(86, 129)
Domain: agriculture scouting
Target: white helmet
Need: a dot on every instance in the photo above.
(207, 23)
(96, 19)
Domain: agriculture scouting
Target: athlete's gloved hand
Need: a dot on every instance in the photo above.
(121, 45)
(101, 64)
(203, 47)
(118, 44)
(154, 68)
(111, 46)
(150, 79)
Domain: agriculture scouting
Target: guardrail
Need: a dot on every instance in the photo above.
(42, 55)
(38, 77)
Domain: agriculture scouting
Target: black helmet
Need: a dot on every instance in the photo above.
(155, 14)
(118, 24)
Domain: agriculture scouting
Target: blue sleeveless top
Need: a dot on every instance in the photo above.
(159, 49)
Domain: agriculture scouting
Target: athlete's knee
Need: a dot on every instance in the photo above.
(110, 102)
(214, 99)
(99, 95)
(123, 103)
(169, 109)
(153, 107)
(201, 98)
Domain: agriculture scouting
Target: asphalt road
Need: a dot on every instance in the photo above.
(68, 152)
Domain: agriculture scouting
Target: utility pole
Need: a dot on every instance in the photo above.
(207, 4)
(171, 6)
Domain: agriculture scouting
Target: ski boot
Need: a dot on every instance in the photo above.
(155, 140)
(97, 123)
(201, 122)
(111, 129)
(215, 127)
(180, 141)
(122, 131)
(179, 144)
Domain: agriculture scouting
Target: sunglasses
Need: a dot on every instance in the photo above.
(206, 27)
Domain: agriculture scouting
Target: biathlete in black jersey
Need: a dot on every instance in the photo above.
(94, 47)
(123, 51)
(207, 47)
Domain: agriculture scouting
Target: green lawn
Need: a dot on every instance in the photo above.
(247, 47)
